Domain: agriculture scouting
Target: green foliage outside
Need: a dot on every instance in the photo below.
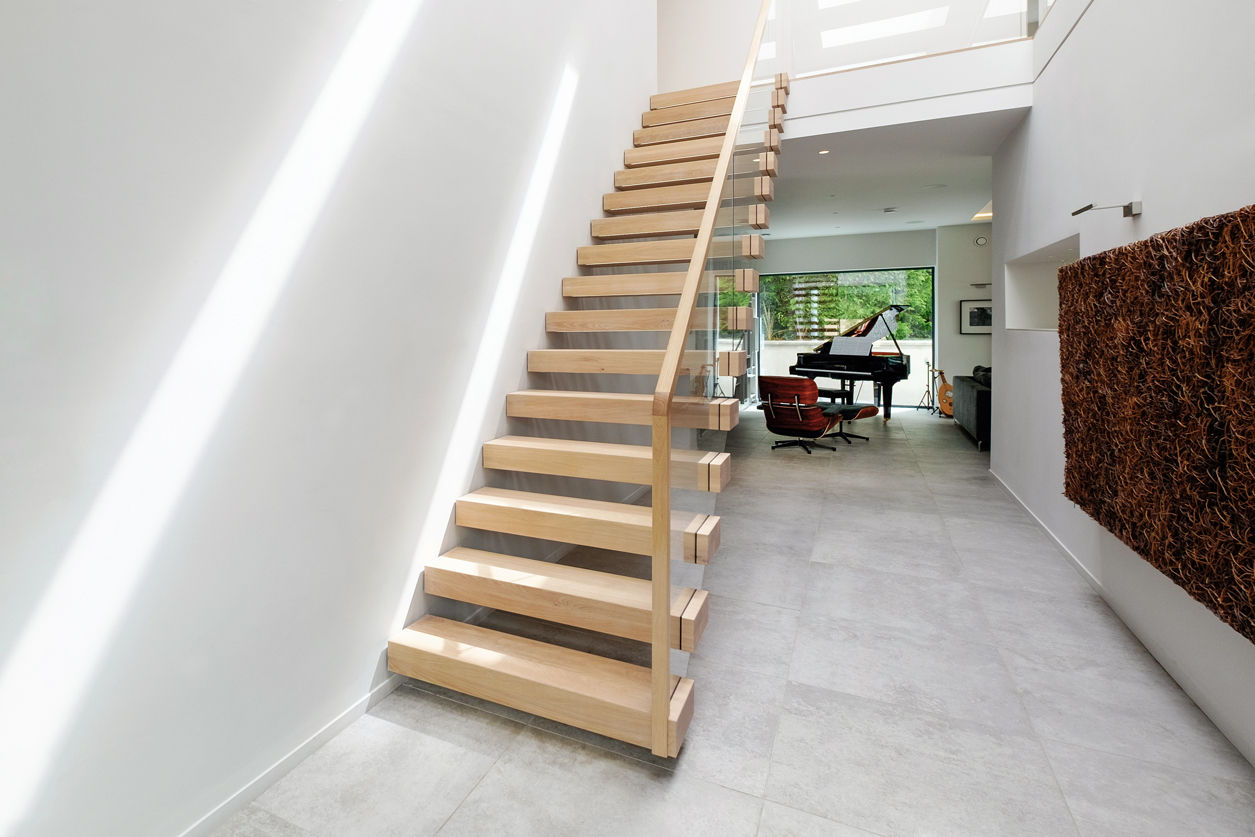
(805, 306)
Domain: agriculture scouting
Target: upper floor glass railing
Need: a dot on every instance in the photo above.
(815, 37)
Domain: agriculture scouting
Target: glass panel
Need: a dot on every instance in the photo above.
(827, 35)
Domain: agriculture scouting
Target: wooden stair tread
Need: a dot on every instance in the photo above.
(588, 599)
(692, 469)
(702, 148)
(604, 696)
(679, 222)
(684, 196)
(582, 521)
(629, 361)
(715, 126)
(635, 252)
(667, 174)
(680, 151)
(639, 319)
(694, 94)
(688, 111)
(620, 408)
(651, 284)
(698, 171)
(667, 251)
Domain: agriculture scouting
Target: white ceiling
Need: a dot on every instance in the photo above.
(936, 173)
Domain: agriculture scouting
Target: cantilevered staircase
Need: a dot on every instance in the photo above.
(690, 188)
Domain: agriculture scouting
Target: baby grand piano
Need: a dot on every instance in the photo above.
(848, 357)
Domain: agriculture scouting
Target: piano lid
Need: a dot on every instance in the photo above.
(858, 339)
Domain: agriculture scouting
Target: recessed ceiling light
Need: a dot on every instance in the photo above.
(934, 186)
(915, 222)
(825, 151)
(835, 212)
(890, 209)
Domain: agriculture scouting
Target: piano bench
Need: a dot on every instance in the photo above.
(846, 395)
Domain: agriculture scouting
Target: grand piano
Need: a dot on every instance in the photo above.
(849, 358)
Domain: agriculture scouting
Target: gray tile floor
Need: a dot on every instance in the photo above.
(894, 647)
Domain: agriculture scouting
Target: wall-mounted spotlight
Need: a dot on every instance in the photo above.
(1131, 209)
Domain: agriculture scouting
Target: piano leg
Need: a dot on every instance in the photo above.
(888, 399)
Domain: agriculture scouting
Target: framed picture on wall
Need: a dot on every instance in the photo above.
(976, 316)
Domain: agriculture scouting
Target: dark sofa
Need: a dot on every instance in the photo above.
(972, 396)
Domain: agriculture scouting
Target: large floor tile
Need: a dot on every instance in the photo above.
(1125, 718)
(1114, 795)
(893, 770)
(926, 606)
(937, 673)
(729, 741)
(750, 636)
(377, 778)
(551, 787)
(1030, 619)
(766, 575)
(458, 724)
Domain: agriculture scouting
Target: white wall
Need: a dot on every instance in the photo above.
(703, 41)
(1112, 124)
(139, 138)
(960, 263)
(875, 251)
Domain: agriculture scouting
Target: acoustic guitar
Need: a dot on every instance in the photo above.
(945, 396)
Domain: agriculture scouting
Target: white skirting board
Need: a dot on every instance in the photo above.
(218, 817)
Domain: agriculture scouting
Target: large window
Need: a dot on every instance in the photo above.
(816, 306)
(797, 312)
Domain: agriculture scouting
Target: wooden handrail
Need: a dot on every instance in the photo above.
(664, 393)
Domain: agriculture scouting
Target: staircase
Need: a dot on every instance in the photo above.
(653, 215)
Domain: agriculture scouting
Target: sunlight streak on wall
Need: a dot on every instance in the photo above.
(50, 669)
(496, 325)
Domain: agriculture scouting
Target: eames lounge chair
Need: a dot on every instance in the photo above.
(792, 409)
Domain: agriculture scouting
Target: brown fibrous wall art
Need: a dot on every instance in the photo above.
(1157, 348)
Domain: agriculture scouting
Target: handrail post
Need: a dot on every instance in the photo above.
(660, 617)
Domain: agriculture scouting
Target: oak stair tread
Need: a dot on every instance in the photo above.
(620, 408)
(590, 599)
(578, 520)
(629, 361)
(667, 251)
(679, 222)
(702, 148)
(668, 174)
(715, 126)
(684, 196)
(688, 111)
(650, 284)
(697, 470)
(689, 95)
(583, 690)
(639, 319)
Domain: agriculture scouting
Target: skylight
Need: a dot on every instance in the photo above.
(998, 8)
(887, 28)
